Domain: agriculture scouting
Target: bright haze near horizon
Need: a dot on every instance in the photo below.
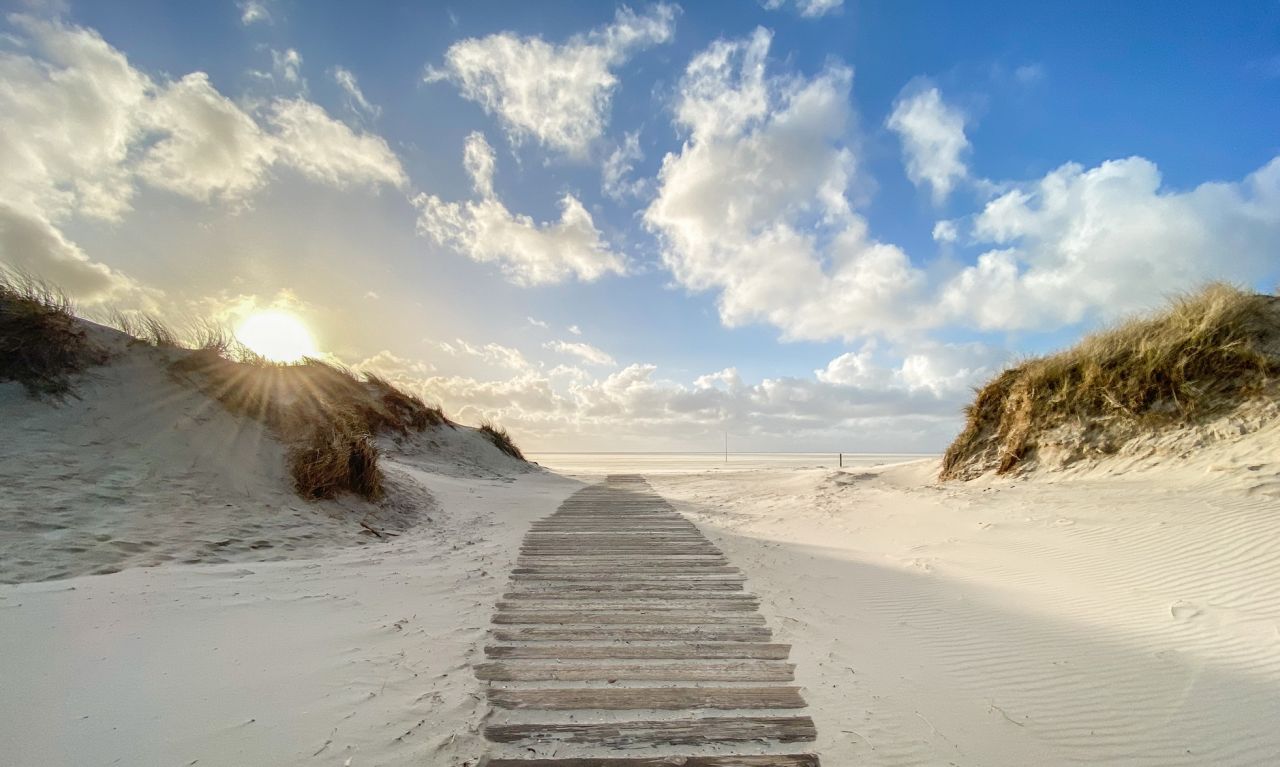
(813, 224)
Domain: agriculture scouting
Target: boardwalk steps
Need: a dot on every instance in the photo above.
(620, 607)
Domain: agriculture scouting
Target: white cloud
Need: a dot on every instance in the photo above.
(618, 166)
(31, 245)
(80, 127)
(754, 204)
(253, 12)
(480, 163)
(1108, 240)
(933, 140)
(574, 329)
(945, 231)
(537, 323)
(329, 151)
(583, 351)
(491, 353)
(911, 407)
(807, 8)
(207, 145)
(288, 64)
(355, 97)
(557, 94)
(529, 253)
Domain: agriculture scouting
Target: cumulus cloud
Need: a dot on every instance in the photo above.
(933, 140)
(31, 245)
(80, 128)
(1110, 239)
(754, 205)
(327, 150)
(945, 231)
(583, 351)
(529, 253)
(913, 406)
(558, 95)
(808, 8)
(491, 353)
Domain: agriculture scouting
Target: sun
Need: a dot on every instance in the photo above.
(279, 336)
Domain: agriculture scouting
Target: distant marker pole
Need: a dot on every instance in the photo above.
(842, 460)
(726, 447)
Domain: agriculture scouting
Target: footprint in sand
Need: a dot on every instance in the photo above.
(1184, 611)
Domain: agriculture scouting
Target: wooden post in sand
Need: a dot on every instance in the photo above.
(842, 460)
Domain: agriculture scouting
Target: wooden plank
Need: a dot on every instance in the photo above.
(663, 587)
(692, 568)
(698, 580)
(623, 603)
(624, 556)
(737, 670)
(625, 633)
(643, 617)
(757, 760)
(655, 698)
(669, 651)
(701, 731)
(562, 595)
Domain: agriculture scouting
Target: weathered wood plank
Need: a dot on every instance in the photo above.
(668, 651)
(738, 670)
(720, 729)
(759, 760)
(655, 698)
(692, 568)
(598, 633)
(622, 603)
(642, 617)
(632, 557)
(700, 579)
(569, 586)
(683, 595)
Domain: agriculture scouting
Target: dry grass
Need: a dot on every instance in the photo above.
(1203, 355)
(406, 410)
(327, 416)
(144, 327)
(41, 344)
(501, 439)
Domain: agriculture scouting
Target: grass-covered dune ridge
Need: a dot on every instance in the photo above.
(1202, 356)
(328, 418)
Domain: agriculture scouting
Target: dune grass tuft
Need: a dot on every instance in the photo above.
(501, 439)
(1205, 354)
(327, 416)
(405, 410)
(41, 344)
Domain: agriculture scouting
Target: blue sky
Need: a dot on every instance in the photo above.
(815, 225)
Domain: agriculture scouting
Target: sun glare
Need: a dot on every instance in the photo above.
(278, 336)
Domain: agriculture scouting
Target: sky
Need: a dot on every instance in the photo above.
(814, 225)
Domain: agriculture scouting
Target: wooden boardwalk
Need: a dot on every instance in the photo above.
(626, 639)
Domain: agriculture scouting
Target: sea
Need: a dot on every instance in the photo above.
(686, 463)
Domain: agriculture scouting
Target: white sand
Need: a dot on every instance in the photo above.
(362, 655)
(1098, 620)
